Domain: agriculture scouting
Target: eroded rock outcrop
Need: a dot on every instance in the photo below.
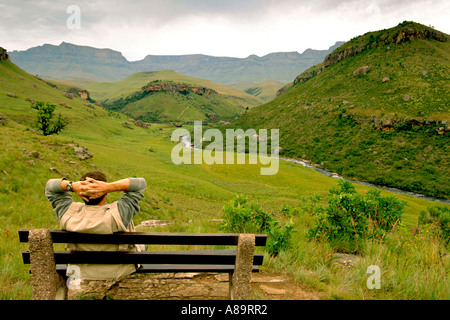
(391, 125)
(361, 70)
(308, 74)
(81, 151)
(177, 87)
(83, 94)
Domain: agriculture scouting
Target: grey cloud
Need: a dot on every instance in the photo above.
(103, 22)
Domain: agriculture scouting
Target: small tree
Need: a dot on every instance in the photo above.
(45, 122)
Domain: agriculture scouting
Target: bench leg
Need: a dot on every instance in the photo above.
(46, 283)
(240, 280)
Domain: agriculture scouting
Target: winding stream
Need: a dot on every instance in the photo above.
(188, 145)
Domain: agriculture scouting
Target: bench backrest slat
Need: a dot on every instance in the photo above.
(209, 257)
(229, 239)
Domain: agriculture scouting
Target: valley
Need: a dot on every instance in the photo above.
(334, 116)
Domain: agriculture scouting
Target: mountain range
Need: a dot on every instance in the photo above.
(73, 61)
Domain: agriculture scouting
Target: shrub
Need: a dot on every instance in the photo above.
(351, 218)
(288, 211)
(279, 237)
(45, 122)
(311, 204)
(243, 217)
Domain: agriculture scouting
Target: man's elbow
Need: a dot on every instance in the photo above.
(53, 185)
(137, 184)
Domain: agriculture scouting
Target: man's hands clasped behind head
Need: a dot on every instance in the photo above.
(90, 189)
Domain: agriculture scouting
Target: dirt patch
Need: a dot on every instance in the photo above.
(270, 286)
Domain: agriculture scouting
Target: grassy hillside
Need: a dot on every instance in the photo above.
(174, 106)
(190, 196)
(226, 102)
(388, 125)
(266, 90)
(25, 87)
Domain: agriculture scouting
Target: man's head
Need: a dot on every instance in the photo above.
(97, 175)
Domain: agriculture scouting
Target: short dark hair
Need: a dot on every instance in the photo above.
(97, 175)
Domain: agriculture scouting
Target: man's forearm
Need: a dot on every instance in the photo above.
(92, 189)
(120, 185)
(128, 204)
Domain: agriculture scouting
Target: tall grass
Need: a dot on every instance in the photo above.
(414, 264)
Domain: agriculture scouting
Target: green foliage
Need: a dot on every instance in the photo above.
(311, 204)
(351, 218)
(288, 211)
(243, 217)
(45, 122)
(439, 215)
(279, 237)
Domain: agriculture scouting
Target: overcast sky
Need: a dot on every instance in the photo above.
(236, 28)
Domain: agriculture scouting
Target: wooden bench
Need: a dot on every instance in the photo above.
(48, 267)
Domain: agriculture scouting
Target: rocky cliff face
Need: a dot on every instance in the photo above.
(308, 74)
(407, 31)
(178, 87)
(83, 94)
(335, 57)
(3, 54)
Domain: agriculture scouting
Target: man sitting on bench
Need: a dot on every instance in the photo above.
(96, 216)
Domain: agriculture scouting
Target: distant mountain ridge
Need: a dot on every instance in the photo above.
(73, 61)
